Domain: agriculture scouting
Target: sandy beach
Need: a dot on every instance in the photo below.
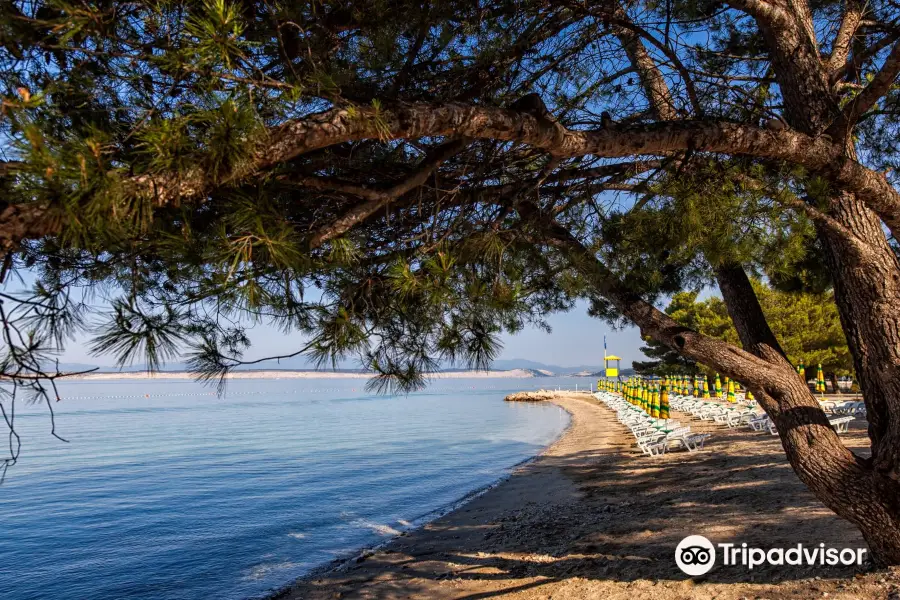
(591, 517)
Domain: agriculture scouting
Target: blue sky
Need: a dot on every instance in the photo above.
(577, 339)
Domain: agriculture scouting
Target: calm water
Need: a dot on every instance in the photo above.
(167, 492)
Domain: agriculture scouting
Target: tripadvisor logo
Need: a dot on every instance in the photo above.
(695, 555)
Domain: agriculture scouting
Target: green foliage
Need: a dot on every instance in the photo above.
(98, 97)
(806, 324)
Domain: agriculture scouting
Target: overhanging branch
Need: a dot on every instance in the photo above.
(413, 121)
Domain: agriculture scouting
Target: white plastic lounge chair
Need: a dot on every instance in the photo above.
(841, 424)
(759, 422)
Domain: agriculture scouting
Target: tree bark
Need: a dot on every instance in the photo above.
(867, 292)
(844, 482)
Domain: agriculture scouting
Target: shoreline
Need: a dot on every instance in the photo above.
(590, 516)
(290, 374)
(341, 563)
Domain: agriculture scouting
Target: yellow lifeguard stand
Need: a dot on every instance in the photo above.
(612, 371)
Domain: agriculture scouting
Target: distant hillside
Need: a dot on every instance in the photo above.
(299, 363)
(622, 373)
(524, 363)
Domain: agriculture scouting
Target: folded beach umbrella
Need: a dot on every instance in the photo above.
(695, 391)
(705, 388)
(654, 403)
(820, 380)
(730, 390)
(802, 370)
(718, 387)
(750, 395)
(664, 402)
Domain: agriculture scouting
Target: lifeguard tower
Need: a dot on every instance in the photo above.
(614, 370)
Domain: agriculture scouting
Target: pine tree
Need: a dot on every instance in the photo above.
(400, 182)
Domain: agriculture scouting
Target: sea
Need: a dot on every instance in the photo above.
(166, 490)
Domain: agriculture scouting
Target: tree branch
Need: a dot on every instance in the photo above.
(763, 11)
(413, 121)
(654, 323)
(858, 59)
(376, 200)
(866, 99)
(843, 40)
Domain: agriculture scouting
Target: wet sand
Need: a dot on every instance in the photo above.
(593, 518)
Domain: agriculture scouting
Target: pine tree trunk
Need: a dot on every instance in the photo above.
(867, 292)
(844, 482)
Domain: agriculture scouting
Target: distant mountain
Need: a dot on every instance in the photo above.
(67, 367)
(301, 363)
(296, 363)
(622, 373)
(524, 363)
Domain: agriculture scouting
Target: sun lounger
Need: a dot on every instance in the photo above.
(841, 424)
(691, 441)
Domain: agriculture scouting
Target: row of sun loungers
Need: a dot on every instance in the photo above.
(657, 436)
(736, 415)
(653, 436)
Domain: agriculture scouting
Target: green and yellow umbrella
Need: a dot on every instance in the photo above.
(730, 391)
(718, 387)
(705, 388)
(664, 402)
(801, 370)
(654, 403)
(820, 380)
